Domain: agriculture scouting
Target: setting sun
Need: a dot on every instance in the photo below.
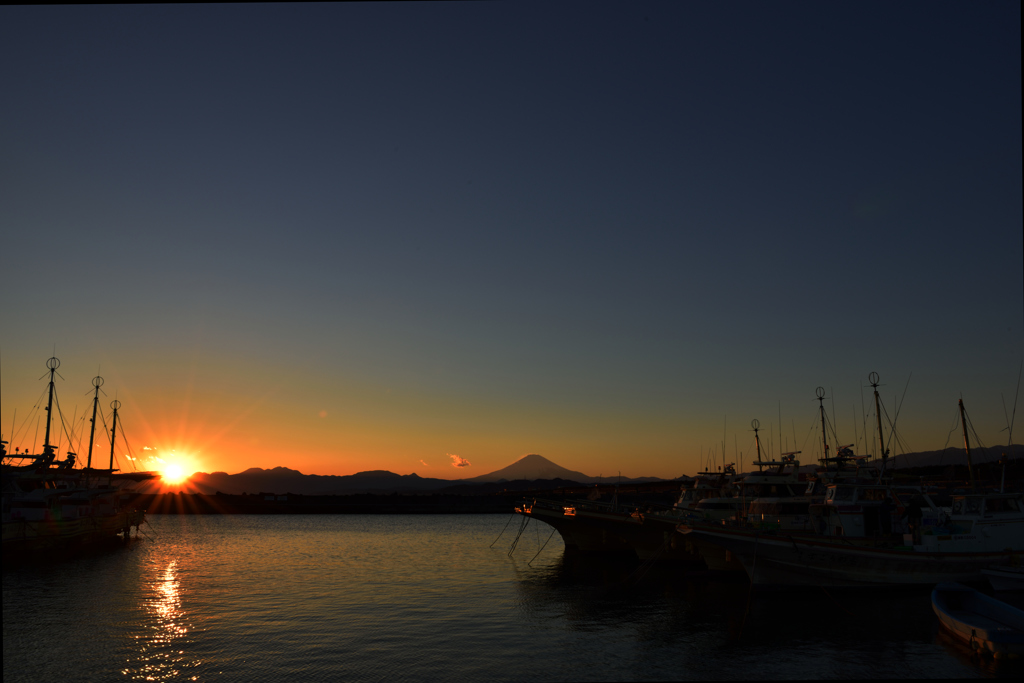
(174, 474)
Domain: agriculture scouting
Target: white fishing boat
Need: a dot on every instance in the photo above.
(863, 540)
(719, 487)
(807, 559)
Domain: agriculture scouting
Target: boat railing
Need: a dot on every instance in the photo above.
(597, 506)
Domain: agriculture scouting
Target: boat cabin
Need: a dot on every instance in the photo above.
(996, 517)
(857, 511)
(707, 485)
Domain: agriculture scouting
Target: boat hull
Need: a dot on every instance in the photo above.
(27, 537)
(791, 560)
(656, 539)
(594, 531)
(583, 533)
(982, 623)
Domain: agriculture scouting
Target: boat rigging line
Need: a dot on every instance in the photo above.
(1013, 415)
(522, 527)
(956, 423)
(502, 530)
(97, 382)
(553, 530)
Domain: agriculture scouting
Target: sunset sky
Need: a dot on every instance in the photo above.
(372, 236)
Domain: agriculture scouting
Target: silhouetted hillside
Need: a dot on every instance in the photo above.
(285, 480)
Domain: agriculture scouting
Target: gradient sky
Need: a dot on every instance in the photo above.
(350, 237)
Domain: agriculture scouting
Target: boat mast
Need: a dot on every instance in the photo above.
(873, 379)
(48, 453)
(115, 404)
(820, 393)
(97, 382)
(967, 443)
(756, 424)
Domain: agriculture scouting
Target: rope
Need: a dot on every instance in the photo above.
(139, 530)
(34, 411)
(526, 522)
(641, 571)
(128, 446)
(814, 423)
(956, 421)
(64, 427)
(1013, 415)
(836, 602)
(502, 531)
(542, 547)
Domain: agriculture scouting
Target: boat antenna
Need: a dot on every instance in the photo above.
(115, 404)
(967, 443)
(1010, 426)
(781, 430)
(873, 380)
(48, 453)
(1013, 415)
(820, 393)
(725, 434)
(864, 421)
(97, 382)
(835, 423)
(756, 424)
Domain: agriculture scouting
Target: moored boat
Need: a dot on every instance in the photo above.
(871, 532)
(1005, 578)
(983, 623)
(49, 505)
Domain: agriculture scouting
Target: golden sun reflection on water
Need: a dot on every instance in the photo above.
(160, 654)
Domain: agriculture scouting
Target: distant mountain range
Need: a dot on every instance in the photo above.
(952, 456)
(281, 480)
(533, 467)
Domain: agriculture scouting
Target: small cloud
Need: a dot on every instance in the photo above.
(147, 448)
(424, 463)
(322, 413)
(458, 460)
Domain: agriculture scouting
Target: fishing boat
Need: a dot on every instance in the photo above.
(657, 537)
(1005, 578)
(773, 500)
(646, 530)
(585, 526)
(775, 558)
(869, 533)
(50, 505)
(986, 625)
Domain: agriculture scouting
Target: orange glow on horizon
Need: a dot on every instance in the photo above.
(174, 469)
(174, 474)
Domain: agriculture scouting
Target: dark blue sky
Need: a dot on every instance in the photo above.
(583, 230)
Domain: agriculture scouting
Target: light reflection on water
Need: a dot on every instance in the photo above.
(423, 597)
(160, 648)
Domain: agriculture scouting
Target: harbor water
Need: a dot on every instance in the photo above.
(424, 597)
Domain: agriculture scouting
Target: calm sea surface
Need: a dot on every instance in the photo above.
(416, 597)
